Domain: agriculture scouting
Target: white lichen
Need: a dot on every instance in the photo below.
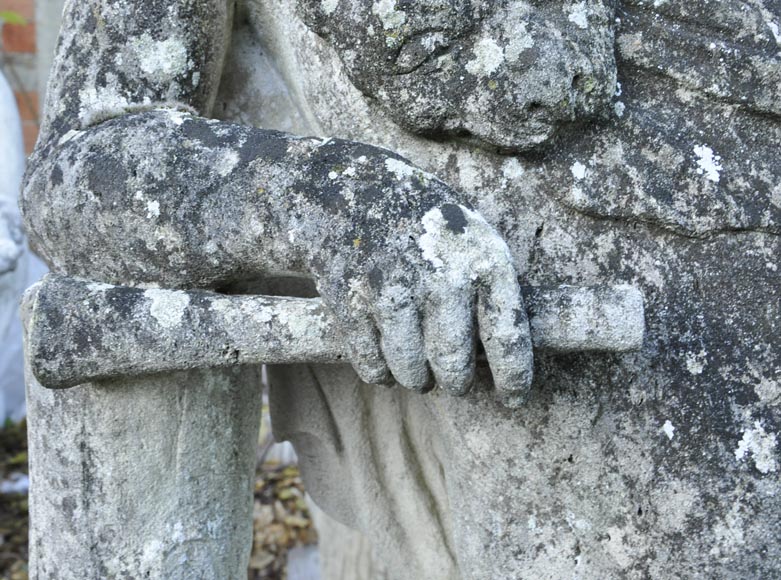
(177, 117)
(775, 30)
(578, 15)
(708, 164)
(512, 169)
(229, 160)
(578, 170)
(762, 447)
(695, 362)
(153, 209)
(489, 56)
(388, 15)
(433, 41)
(400, 169)
(160, 59)
(431, 241)
(520, 41)
(668, 429)
(577, 196)
(329, 6)
(96, 287)
(101, 103)
(167, 307)
(461, 258)
(768, 391)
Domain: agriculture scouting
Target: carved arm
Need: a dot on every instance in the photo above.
(128, 186)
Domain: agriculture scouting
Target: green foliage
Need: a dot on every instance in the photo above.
(10, 17)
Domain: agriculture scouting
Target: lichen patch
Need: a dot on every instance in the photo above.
(388, 15)
(153, 209)
(489, 56)
(167, 307)
(578, 170)
(708, 163)
(162, 59)
(578, 15)
(761, 445)
(520, 41)
(329, 6)
(695, 362)
(400, 169)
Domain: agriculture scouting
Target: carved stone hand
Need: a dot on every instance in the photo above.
(176, 200)
(188, 202)
(403, 267)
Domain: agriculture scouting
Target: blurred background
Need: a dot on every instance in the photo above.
(285, 541)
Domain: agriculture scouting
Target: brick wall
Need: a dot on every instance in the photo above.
(18, 62)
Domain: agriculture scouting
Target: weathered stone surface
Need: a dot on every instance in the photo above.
(508, 74)
(82, 331)
(662, 464)
(659, 464)
(147, 478)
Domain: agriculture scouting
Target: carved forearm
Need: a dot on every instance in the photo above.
(181, 201)
(158, 197)
(129, 186)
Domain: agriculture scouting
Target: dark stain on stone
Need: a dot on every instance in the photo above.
(107, 176)
(124, 300)
(56, 176)
(455, 220)
(202, 132)
(266, 145)
(376, 279)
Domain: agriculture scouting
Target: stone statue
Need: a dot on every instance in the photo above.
(18, 268)
(11, 250)
(585, 143)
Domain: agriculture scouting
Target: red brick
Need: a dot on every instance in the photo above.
(30, 133)
(25, 8)
(19, 38)
(27, 102)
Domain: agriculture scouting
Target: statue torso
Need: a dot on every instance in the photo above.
(665, 461)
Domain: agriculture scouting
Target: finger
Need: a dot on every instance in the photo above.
(504, 331)
(448, 331)
(363, 344)
(401, 337)
(356, 327)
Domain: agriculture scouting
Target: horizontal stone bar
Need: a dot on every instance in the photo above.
(82, 331)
